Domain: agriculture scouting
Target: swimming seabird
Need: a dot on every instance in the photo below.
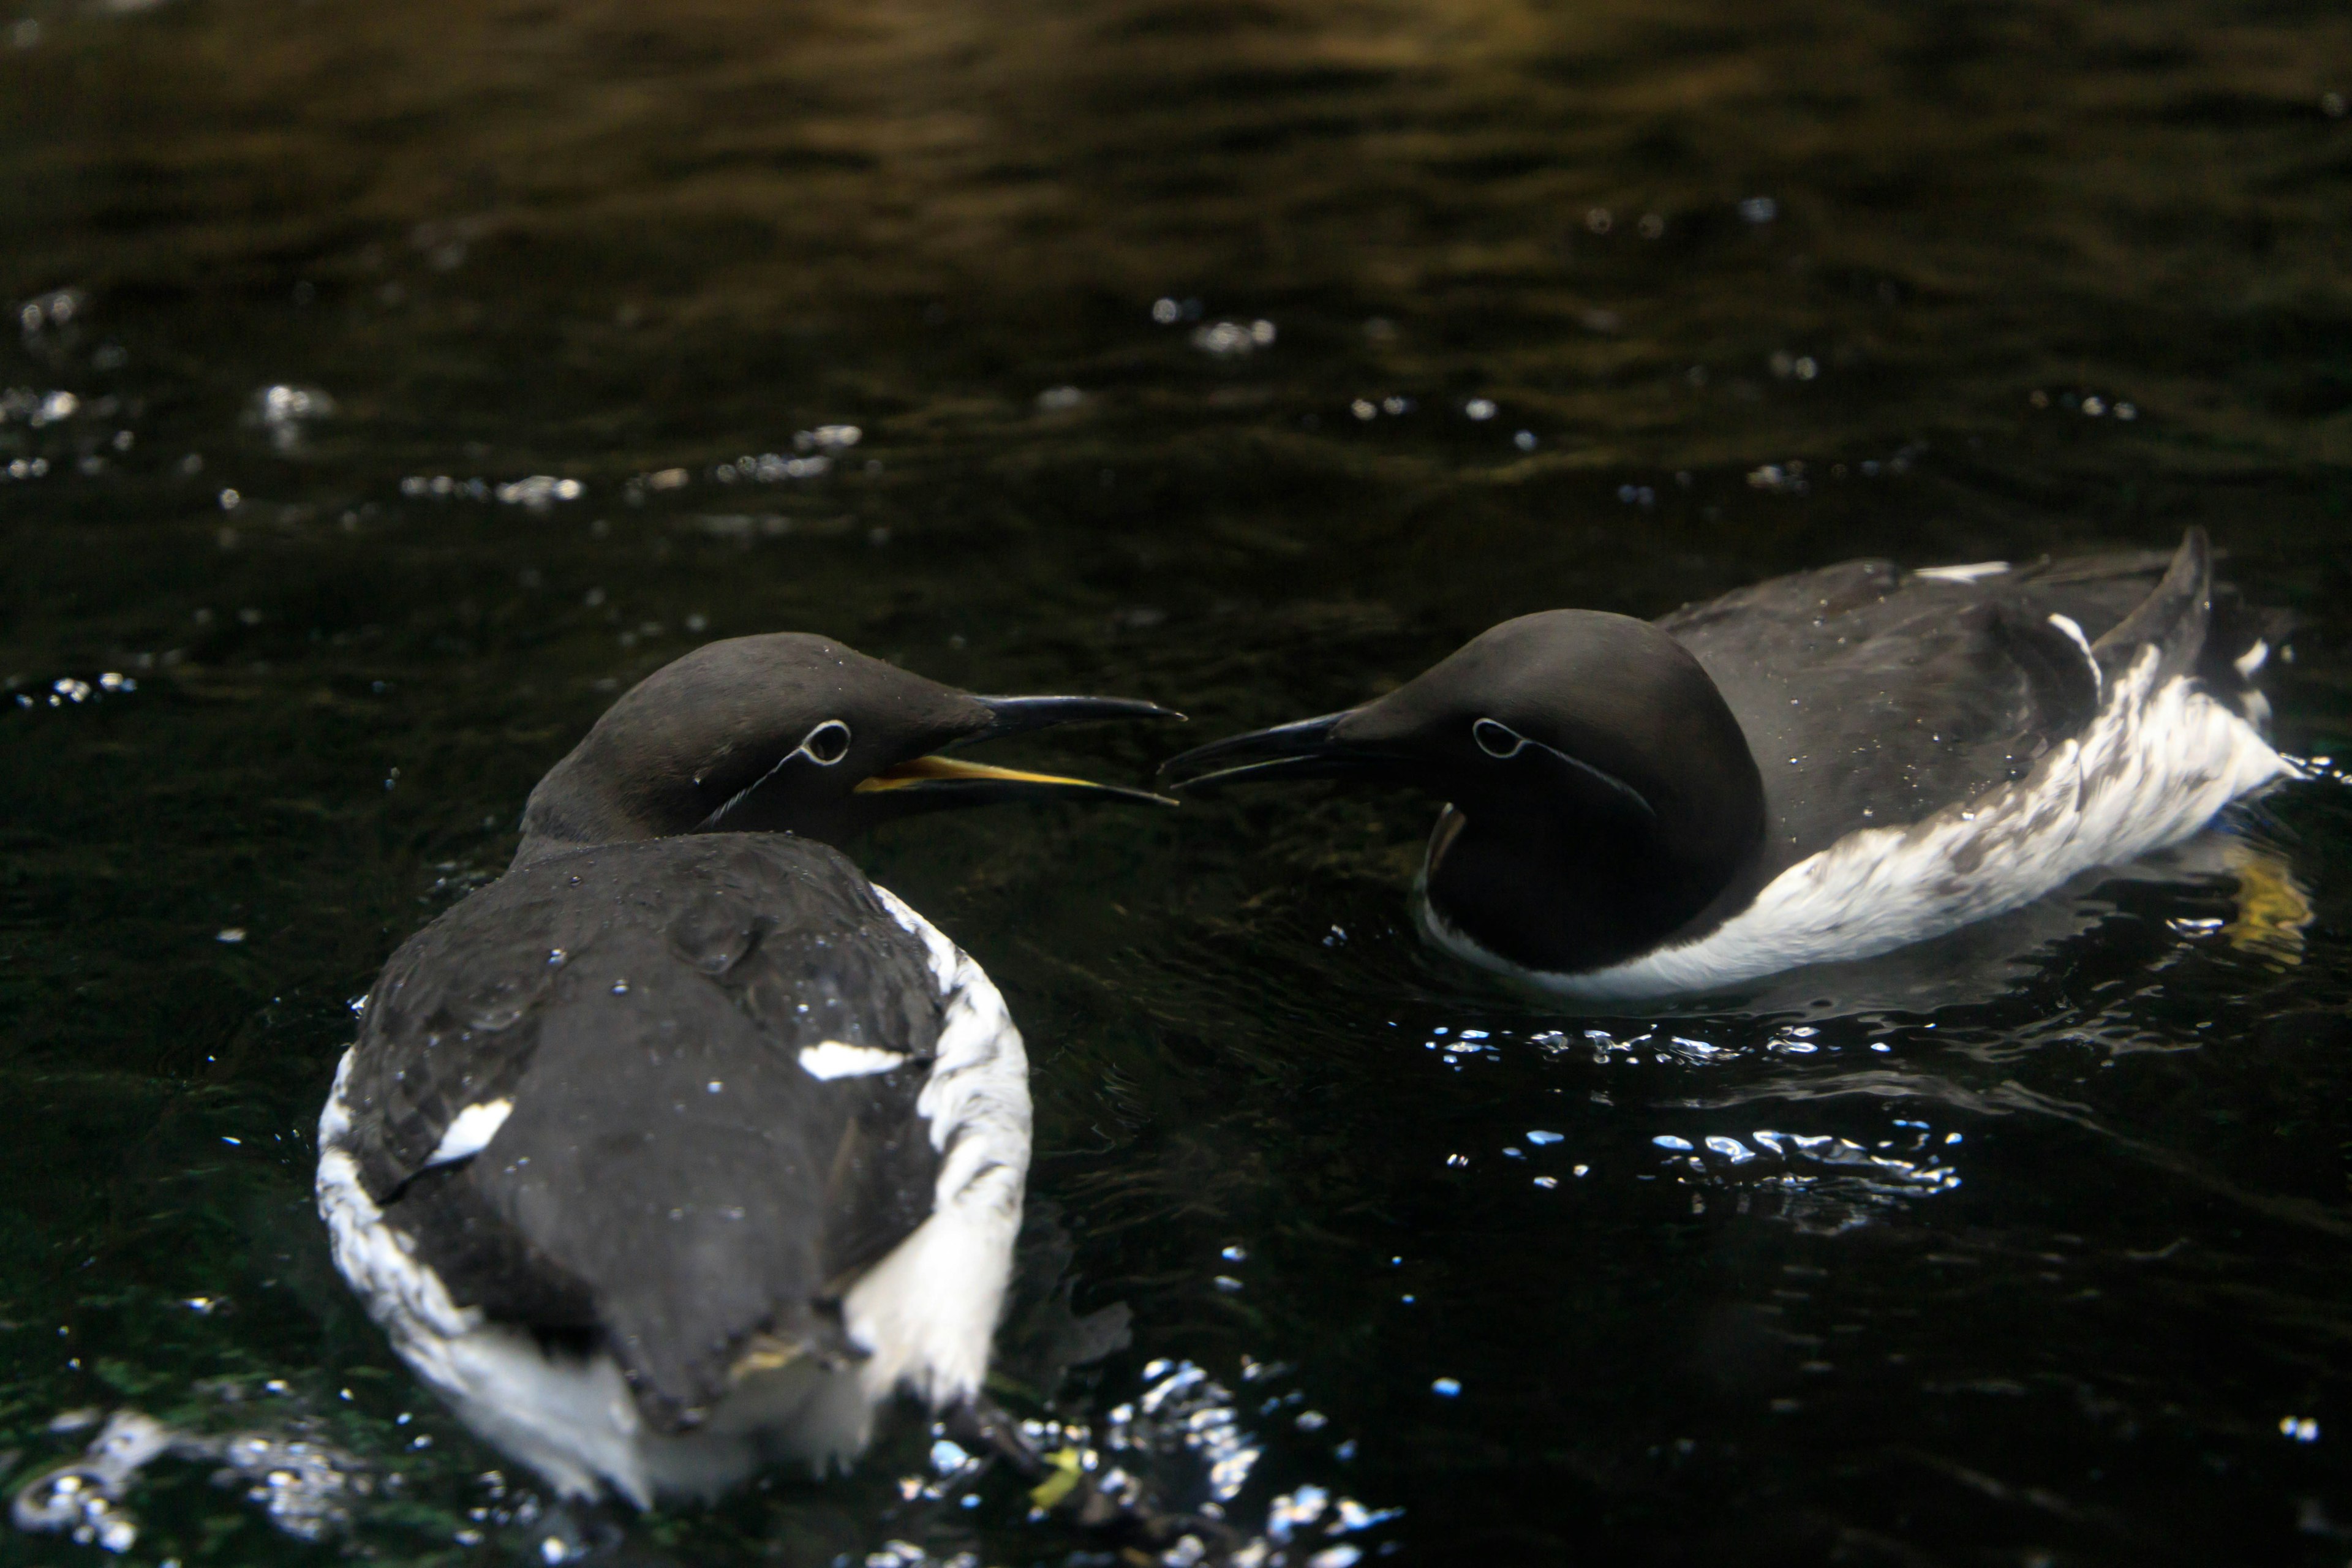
(680, 1148)
(1820, 767)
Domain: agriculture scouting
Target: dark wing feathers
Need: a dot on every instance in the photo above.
(2171, 618)
(702, 1217)
(2129, 598)
(606, 992)
(1872, 696)
(484, 1260)
(452, 1022)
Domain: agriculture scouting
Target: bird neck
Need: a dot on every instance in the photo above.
(575, 808)
(1568, 890)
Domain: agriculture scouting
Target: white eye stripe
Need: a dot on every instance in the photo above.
(1502, 743)
(826, 744)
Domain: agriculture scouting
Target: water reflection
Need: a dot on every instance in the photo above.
(1823, 1182)
(305, 1486)
(1546, 283)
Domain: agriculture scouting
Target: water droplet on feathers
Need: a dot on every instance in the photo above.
(714, 934)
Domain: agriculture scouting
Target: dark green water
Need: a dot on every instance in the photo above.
(2092, 1244)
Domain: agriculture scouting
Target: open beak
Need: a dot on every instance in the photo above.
(1308, 749)
(951, 780)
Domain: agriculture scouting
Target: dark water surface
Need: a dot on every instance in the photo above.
(1765, 285)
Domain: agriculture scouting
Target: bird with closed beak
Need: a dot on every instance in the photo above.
(1818, 768)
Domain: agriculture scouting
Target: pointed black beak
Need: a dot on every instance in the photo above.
(935, 781)
(1308, 749)
(1019, 715)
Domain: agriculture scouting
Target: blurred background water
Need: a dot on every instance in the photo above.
(389, 385)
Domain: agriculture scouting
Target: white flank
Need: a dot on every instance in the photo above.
(471, 1133)
(837, 1058)
(1983, 569)
(926, 1312)
(2150, 770)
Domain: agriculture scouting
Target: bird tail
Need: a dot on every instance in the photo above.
(2172, 619)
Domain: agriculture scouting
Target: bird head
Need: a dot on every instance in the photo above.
(793, 732)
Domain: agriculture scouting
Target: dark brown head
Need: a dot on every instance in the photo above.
(790, 733)
(1605, 793)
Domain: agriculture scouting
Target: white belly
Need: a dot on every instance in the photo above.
(2150, 770)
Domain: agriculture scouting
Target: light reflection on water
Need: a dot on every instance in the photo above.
(389, 387)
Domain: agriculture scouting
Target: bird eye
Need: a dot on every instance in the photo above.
(828, 743)
(1497, 739)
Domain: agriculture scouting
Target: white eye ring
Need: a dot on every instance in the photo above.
(826, 744)
(1499, 741)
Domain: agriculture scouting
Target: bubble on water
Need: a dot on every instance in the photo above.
(1759, 209)
(1061, 399)
(1525, 440)
(60, 308)
(1781, 479)
(284, 411)
(305, 1486)
(760, 467)
(539, 491)
(1234, 340)
(1446, 1388)
(1479, 409)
